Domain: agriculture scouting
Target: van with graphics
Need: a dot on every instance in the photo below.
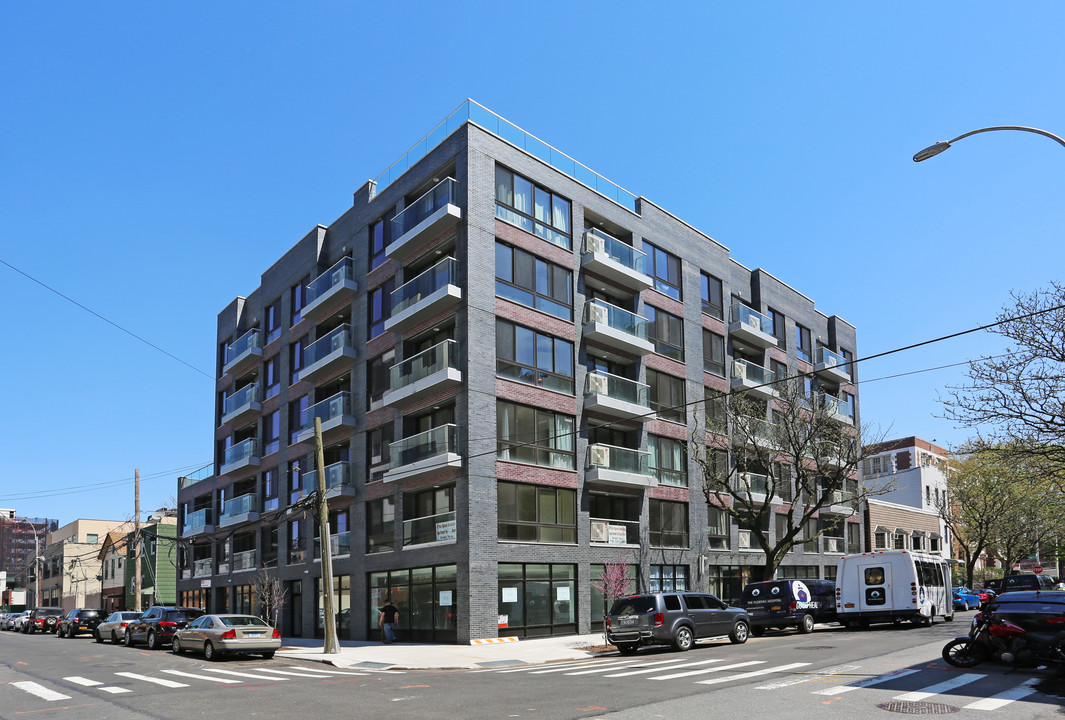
(784, 604)
(892, 586)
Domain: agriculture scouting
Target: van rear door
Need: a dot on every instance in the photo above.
(874, 586)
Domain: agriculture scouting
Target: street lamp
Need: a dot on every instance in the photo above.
(933, 150)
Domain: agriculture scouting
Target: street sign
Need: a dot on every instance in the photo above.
(1037, 569)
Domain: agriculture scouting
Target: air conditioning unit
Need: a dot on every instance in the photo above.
(599, 455)
(337, 341)
(745, 540)
(336, 407)
(739, 370)
(599, 314)
(598, 384)
(600, 531)
(828, 360)
(594, 243)
(337, 277)
(754, 321)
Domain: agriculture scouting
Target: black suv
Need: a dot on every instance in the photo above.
(789, 603)
(80, 620)
(674, 618)
(157, 625)
(44, 619)
(1014, 583)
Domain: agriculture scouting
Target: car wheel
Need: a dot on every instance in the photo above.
(268, 655)
(114, 638)
(627, 648)
(739, 633)
(683, 638)
(127, 639)
(152, 641)
(209, 653)
(96, 636)
(175, 646)
(806, 625)
(758, 631)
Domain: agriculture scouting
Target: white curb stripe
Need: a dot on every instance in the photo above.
(307, 674)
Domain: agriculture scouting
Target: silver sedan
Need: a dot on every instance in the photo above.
(114, 627)
(217, 635)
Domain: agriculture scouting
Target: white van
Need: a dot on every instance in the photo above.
(892, 586)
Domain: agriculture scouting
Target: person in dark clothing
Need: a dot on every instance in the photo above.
(387, 622)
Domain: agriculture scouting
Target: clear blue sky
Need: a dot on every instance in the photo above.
(157, 157)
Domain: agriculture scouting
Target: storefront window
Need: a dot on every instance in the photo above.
(341, 606)
(596, 584)
(537, 599)
(426, 599)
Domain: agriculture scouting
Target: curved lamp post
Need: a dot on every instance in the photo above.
(933, 150)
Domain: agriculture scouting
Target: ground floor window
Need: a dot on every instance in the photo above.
(537, 600)
(830, 572)
(727, 581)
(341, 606)
(244, 599)
(294, 608)
(194, 598)
(791, 572)
(597, 583)
(426, 599)
(667, 578)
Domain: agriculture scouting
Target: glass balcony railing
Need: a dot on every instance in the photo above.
(755, 374)
(614, 532)
(247, 341)
(202, 568)
(596, 241)
(245, 396)
(753, 483)
(197, 476)
(834, 544)
(759, 428)
(428, 362)
(241, 506)
(618, 388)
(431, 443)
(432, 528)
(339, 544)
(336, 406)
(824, 356)
(445, 192)
(242, 451)
(243, 561)
(410, 293)
(341, 271)
(597, 311)
(198, 520)
(618, 459)
(752, 318)
(835, 406)
(343, 336)
(337, 474)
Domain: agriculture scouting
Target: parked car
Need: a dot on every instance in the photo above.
(79, 620)
(218, 635)
(789, 603)
(113, 627)
(15, 621)
(964, 599)
(157, 625)
(673, 618)
(994, 585)
(1013, 583)
(43, 619)
(3, 620)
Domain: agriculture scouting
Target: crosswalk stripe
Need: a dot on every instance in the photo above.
(156, 681)
(194, 676)
(561, 666)
(704, 671)
(84, 682)
(246, 675)
(810, 677)
(615, 667)
(113, 690)
(555, 668)
(40, 691)
(1005, 697)
(868, 682)
(307, 674)
(753, 673)
(938, 688)
(660, 669)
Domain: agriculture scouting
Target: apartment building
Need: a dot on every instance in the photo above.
(21, 540)
(71, 571)
(507, 353)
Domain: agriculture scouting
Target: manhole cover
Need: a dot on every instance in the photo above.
(918, 708)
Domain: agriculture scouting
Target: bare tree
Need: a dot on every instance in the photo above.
(785, 469)
(271, 594)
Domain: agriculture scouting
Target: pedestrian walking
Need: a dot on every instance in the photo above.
(387, 622)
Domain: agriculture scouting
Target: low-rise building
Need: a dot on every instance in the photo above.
(71, 568)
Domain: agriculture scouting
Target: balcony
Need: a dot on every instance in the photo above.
(838, 410)
(328, 354)
(240, 510)
(616, 328)
(755, 379)
(243, 454)
(834, 545)
(243, 561)
(202, 568)
(337, 481)
(242, 405)
(440, 528)
(336, 285)
(427, 294)
(622, 467)
(243, 354)
(751, 327)
(831, 366)
(617, 397)
(336, 415)
(429, 372)
(614, 532)
(198, 523)
(425, 218)
(614, 260)
(753, 486)
(339, 544)
(423, 453)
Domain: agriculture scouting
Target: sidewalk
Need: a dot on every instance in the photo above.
(415, 656)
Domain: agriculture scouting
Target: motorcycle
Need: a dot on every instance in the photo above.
(993, 638)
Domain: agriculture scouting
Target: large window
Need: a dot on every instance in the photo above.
(297, 417)
(378, 377)
(780, 328)
(714, 403)
(273, 321)
(536, 513)
(429, 516)
(378, 451)
(595, 577)
(536, 436)
(717, 528)
(665, 271)
(713, 353)
(668, 524)
(668, 460)
(713, 296)
(532, 208)
(802, 342)
(537, 599)
(426, 598)
(379, 239)
(526, 279)
(271, 377)
(533, 358)
(295, 361)
(666, 332)
(272, 432)
(380, 307)
(297, 299)
(669, 578)
(380, 525)
(666, 395)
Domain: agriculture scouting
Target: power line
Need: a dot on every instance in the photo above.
(95, 486)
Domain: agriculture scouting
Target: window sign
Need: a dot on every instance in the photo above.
(446, 598)
(446, 530)
(563, 594)
(510, 594)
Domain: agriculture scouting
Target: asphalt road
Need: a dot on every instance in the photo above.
(881, 672)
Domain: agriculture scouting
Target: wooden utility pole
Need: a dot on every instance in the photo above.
(137, 540)
(331, 642)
